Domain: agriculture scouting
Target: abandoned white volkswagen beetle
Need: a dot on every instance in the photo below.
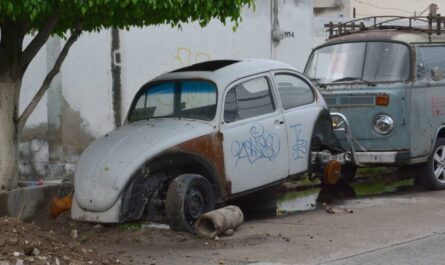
(198, 137)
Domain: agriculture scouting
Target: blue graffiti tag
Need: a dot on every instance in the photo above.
(258, 146)
(300, 146)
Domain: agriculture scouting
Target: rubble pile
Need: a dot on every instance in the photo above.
(24, 243)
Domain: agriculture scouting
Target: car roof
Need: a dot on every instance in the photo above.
(224, 72)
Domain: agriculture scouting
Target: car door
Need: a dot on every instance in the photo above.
(300, 111)
(255, 141)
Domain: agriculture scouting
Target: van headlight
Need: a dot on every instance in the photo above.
(383, 124)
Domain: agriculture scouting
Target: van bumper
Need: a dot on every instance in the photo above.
(395, 158)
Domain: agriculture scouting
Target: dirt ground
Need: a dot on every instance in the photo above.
(64, 241)
(27, 243)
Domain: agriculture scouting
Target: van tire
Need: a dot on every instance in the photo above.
(436, 162)
(348, 172)
(188, 197)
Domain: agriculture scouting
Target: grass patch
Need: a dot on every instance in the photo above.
(130, 226)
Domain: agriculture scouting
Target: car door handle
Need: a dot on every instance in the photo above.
(279, 121)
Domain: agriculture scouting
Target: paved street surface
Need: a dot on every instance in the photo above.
(398, 228)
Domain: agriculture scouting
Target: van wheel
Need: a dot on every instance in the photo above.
(348, 172)
(433, 172)
(188, 197)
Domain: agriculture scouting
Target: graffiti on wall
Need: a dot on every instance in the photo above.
(186, 56)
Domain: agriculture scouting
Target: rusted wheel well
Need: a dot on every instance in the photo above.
(323, 136)
(174, 164)
(146, 190)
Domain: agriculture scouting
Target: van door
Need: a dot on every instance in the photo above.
(428, 98)
(255, 143)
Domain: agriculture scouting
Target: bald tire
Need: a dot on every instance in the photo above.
(188, 197)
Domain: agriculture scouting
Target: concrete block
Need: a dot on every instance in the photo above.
(29, 203)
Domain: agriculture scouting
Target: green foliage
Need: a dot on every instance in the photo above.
(98, 14)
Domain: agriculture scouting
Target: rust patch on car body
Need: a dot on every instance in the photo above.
(210, 148)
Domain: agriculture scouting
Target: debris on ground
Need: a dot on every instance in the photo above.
(336, 210)
(217, 222)
(25, 243)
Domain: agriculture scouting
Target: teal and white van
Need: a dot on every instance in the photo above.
(388, 83)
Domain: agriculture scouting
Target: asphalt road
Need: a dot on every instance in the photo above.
(398, 228)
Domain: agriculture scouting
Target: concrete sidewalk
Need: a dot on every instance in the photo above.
(381, 226)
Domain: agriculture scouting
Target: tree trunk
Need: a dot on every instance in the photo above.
(9, 154)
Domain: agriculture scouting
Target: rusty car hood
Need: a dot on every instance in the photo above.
(109, 162)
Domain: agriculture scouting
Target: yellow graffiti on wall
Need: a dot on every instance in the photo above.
(186, 56)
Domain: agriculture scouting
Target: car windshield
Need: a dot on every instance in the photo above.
(360, 62)
(181, 99)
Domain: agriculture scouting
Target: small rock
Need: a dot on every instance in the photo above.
(206, 243)
(19, 262)
(35, 252)
(16, 253)
(66, 258)
(229, 232)
(74, 234)
(216, 238)
(97, 226)
(336, 210)
(14, 231)
(56, 261)
(13, 240)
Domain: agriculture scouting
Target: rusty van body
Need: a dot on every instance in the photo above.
(385, 75)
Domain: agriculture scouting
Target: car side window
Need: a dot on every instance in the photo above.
(434, 62)
(293, 91)
(248, 99)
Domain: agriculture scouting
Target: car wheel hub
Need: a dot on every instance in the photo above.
(195, 203)
(439, 164)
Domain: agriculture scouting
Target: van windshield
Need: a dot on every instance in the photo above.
(179, 99)
(360, 62)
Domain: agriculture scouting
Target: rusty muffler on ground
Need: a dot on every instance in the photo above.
(219, 221)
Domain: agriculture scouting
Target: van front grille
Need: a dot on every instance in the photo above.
(350, 101)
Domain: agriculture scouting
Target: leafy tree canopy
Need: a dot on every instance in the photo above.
(95, 15)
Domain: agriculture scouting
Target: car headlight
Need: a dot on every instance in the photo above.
(383, 124)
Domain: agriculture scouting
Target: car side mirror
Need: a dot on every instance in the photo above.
(436, 74)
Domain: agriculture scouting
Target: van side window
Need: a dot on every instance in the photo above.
(434, 62)
(248, 99)
(293, 91)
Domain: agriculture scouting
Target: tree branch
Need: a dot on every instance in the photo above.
(37, 42)
(49, 77)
